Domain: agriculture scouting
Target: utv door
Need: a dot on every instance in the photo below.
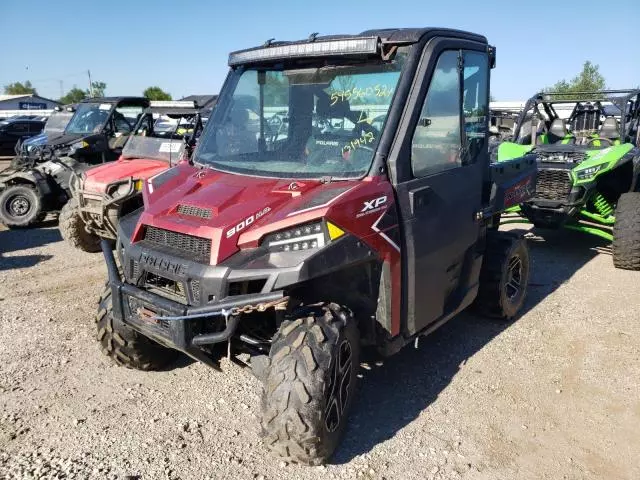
(438, 166)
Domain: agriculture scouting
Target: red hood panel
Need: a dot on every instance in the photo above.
(235, 205)
(97, 178)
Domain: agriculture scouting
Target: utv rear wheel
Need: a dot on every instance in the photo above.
(626, 232)
(124, 345)
(504, 276)
(72, 229)
(20, 206)
(310, 384)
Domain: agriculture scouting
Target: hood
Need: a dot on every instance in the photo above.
(232, 210)
(39, 139)
(97, 178)
(63, 139)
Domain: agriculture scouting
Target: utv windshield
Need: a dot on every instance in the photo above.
(301, 122)
(89, 118)
(155, 140)
(167, 149)
(57, 122)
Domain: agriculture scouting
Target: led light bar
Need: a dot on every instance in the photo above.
(173, 104)
(352, 46)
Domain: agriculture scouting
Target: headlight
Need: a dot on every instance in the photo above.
(308, 236)
(125, 188)
(78, 146)
(587, 173)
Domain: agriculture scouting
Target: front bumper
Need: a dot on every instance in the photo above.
(556, 190)
(154, 281)
(99, 211)
(144, 311)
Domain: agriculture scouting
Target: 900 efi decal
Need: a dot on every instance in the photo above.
(247, 221)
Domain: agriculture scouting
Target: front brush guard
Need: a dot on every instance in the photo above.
(172, 330)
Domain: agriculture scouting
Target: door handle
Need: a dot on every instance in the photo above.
(420, 198)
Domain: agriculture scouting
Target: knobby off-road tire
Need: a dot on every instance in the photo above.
(72, 229)
(124, 345)
(504, 276)
(21, 206)
(626, 232)
(310, 384)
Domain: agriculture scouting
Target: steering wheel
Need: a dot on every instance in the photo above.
(601, 139)
(364, 127)
(272, 128)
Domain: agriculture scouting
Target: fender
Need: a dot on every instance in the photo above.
(32, 177)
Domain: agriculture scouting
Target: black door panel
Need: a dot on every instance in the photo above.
(437, 236)
(439, 166)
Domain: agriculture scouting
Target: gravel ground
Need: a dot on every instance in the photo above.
(555, 395)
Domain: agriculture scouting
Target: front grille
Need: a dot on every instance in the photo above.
(194, 211)
(553, 184)
(165, 287)
(180, 242)
(562, 157)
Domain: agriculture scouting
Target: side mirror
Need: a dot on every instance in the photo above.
(492, 56)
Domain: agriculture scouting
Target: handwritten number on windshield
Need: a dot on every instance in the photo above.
(365, 139)
(356, 93)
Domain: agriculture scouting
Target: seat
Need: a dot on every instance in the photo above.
(610, 129)
(585, 119)
(558, 133)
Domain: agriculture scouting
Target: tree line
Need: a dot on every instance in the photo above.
(76, 94)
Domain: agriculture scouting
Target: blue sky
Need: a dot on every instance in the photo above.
(182, 46)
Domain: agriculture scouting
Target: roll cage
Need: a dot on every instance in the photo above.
(542, 107)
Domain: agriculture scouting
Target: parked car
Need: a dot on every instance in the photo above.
(13, 131)
(102, 194)
(54, 127)
(293, 247)
(38, 183)
(588, 166)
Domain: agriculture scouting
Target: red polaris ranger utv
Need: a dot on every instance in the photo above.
(164, 134)
(340, 196)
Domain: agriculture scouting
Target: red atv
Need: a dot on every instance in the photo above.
(340, 196)
(164, 134)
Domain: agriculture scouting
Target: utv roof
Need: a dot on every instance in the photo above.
(620, 98)
(70, 107)
(173, 107)
(368, 42)
(593, 96)
(137, 100)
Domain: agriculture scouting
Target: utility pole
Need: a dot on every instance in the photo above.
(90, 85)
(61, 89)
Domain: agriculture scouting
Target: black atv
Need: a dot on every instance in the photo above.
(37, 182)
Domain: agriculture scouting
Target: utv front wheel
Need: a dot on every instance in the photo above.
(20, 206)
(72, 229)
(124, 345)
(626, 232)
(504, 276)
(310, 384)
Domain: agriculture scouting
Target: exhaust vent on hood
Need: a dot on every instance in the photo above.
(194, 211)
